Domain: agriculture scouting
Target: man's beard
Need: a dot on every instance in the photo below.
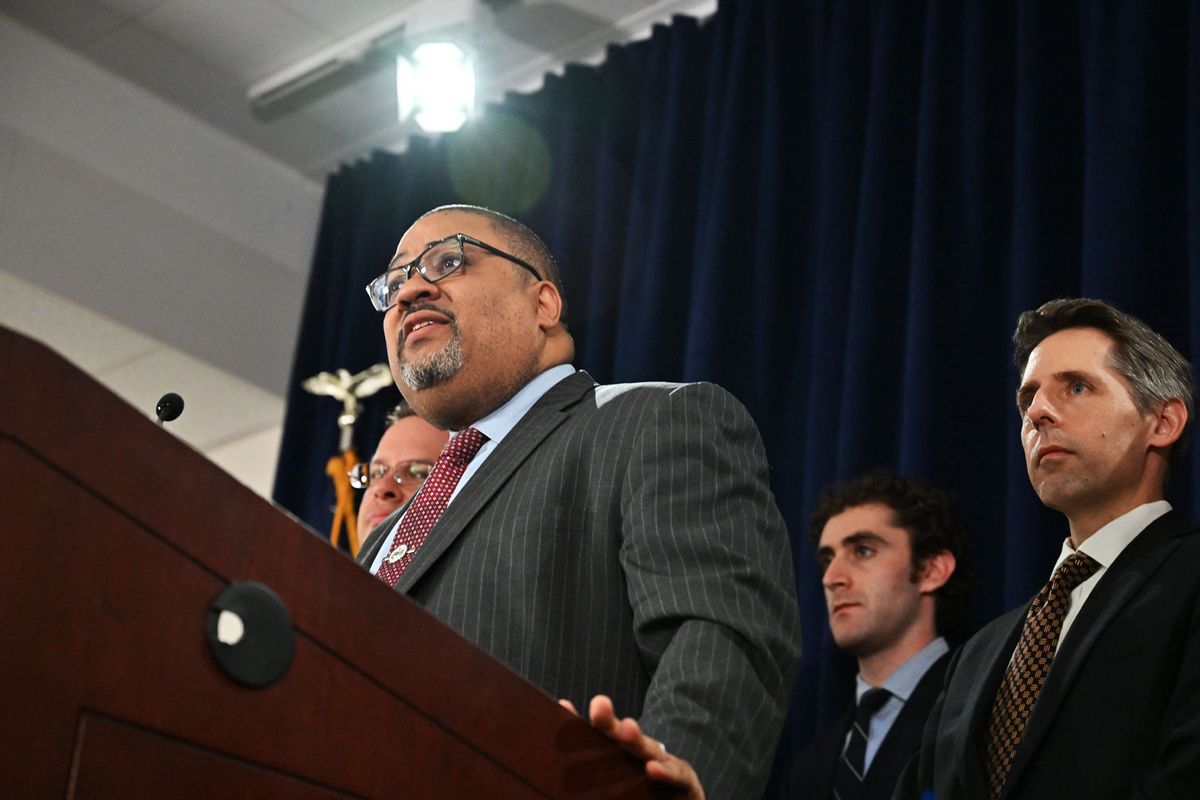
(422, 373)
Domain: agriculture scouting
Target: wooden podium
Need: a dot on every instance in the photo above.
(115, 538)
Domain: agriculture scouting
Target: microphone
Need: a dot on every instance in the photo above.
(169, 407)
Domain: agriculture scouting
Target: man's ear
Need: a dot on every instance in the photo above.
(549, 305)
(935, 570)
(1169, 423)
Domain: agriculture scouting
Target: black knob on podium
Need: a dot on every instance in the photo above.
(250, 634)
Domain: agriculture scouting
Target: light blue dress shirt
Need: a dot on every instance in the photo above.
(901, 683)
(495, 426)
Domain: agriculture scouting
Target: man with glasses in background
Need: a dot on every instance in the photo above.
(402, 460)
(601, 540)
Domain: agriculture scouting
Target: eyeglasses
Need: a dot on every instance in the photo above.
(410, 474)
(438, 260)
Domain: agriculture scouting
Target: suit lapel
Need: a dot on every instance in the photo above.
(835, 745)
(988, 662)
(547, 413)
(370, 546)
(1117, 586)
(903, 739)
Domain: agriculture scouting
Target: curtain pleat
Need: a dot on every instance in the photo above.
(836, 210)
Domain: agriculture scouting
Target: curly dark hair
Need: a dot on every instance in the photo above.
(927, 513)
(1155, 370)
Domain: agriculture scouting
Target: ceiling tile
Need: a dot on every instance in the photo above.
(218, 408)
(124, 254)
(90, 341)
(250, 38)
(203, 55)
(145, 57)
(345, 17)
(356, 110)
(73, 23)
(298, 139)
(8, 155)
(251, 458)
(133, 8)
(235, 424)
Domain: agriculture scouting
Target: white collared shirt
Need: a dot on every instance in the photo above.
(495, 426)
(1104, 546)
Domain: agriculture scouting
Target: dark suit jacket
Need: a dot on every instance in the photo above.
(1119, 714)
(623, 540)
(813, 772)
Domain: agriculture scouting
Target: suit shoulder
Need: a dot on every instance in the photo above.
(1188, 535)
(986, 637)
(660, 391)
(1002, 622)
(811, 771)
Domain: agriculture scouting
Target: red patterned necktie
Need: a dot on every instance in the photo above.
(1027, 670)
(430, 502)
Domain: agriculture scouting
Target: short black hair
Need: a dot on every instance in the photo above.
(524, 243)
(399, 412)
(933, 526)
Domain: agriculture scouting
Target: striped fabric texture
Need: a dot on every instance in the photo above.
(623, 540)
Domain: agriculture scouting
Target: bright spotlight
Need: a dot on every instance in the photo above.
(436, 85)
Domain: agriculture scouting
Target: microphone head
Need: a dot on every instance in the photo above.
(170, 406)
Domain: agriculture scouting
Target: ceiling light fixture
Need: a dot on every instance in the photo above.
(420, 20)
(436, 86)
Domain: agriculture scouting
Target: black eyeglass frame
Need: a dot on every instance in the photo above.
(378, 286)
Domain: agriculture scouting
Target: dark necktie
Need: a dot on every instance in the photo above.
(847, 780)
(427, 507)
(1027, 670)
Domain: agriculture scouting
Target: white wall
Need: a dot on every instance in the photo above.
(157, 252)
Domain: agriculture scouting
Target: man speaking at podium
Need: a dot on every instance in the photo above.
(617, 540)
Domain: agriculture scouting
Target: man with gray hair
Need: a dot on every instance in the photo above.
(1093, 689)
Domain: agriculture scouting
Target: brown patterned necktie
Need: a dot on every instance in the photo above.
(1027, 670)
(427, 507)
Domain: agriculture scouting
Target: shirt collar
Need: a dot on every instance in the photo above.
(497, 424)
(904, 679)
(1107, 543)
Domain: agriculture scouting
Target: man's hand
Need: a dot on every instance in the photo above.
(660, 765)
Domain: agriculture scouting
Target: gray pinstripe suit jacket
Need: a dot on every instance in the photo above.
(623, 540)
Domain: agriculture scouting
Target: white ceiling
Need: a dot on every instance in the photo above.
(203, 55)
(158, 232)
(234, 423)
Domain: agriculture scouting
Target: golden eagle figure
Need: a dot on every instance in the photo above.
(350, 389)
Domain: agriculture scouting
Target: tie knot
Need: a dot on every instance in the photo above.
(463, 447)
(872, 700)
(1075, 570)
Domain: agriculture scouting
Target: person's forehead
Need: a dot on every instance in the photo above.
(436, 227)
(877, 518)
(1076, 349)
(408, 439)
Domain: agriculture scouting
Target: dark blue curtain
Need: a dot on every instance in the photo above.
(836, 210)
